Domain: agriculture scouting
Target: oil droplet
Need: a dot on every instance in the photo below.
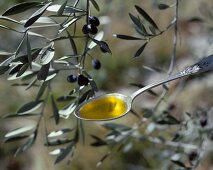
(104, 108)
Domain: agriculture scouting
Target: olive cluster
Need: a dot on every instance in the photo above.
(91, 27)
(80, 79)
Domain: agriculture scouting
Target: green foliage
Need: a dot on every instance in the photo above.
(36, 66)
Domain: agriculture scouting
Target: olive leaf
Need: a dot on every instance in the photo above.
(15, 138)
(28, 144)
(30, 107)
(71, 9)
(163, 6)
(29, 55)
(18, 132)
(41, 91)
(166, 119)
(135, 20)
(103, 45)
(140, 50)
(72, 42)
(8, 28)
(98, 141)
(41, 20)
(22, 70)
(21, 7)
(65, 25)
(116, 126)
(67, 9)
(20, 115)
(67, 111)
(95, 4)
(46, 55)
(146, 16)
(36, 15)
(57, 142)
(126, 37)
(9, 19)
(60, 132)
(25, 74)
(103, 158)
(89, 93)
(64, 152)
(181, 164)
(98, 37)
(62, 7)
(55, 110)
(43, 73)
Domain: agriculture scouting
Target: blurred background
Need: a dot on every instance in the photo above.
(119, 70)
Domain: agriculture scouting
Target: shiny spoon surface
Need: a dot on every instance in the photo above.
(115, 105)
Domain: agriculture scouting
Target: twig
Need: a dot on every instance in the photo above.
(174, 53)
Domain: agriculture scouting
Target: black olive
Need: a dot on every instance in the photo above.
(72, 78)
(85, 29)
(92, 29)
(96, 64)
(94, 21)
(192, 156)
(89, 29)
(203, 122)
(82, 80)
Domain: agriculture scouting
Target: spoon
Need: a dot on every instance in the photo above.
(114, 105)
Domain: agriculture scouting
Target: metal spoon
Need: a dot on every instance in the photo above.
(114, 105)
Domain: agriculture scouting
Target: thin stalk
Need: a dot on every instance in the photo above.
(174, 53)
(43, 107)
(82, 60)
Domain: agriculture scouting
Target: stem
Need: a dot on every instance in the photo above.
(82, 60)
(19, 46)
(43, 107)
(88, 12)
(174, 53)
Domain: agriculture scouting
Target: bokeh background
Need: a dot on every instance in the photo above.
(195, 41)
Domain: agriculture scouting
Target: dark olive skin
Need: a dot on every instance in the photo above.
(96, 64)
(192, 156)
(94, 21)
(89, 29)
(203, 122)
(72, 78)
(82, 80)
(92, 29)
(85, 29)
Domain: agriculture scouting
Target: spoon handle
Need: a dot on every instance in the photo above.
(205, 64)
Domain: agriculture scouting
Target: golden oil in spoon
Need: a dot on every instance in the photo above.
(107, 107)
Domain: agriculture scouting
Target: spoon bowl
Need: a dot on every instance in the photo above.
(105, 107)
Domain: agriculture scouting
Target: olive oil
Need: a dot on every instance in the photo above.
(104, 108)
